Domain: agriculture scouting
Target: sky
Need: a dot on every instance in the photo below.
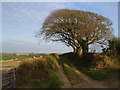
(21, 21)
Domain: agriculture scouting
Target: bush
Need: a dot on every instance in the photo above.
(38, 73)
(114, 48)
(97, 66)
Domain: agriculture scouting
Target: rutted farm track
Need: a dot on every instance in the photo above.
(87, 83)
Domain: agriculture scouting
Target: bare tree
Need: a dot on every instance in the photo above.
(76, 28)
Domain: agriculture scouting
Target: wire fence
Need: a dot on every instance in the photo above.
(7, 77)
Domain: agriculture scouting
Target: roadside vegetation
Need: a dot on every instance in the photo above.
(96, 66)
(73, 77)
(39, 73)
(44, 73)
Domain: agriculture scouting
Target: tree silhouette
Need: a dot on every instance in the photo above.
(76, 28)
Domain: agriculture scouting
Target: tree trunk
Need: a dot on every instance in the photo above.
(78, 51)
(85, 48)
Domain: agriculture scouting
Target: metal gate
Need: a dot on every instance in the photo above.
(7, 77)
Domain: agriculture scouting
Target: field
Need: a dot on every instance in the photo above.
(15, 58)
(9, 56)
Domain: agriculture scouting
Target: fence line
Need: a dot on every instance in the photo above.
(7, 77)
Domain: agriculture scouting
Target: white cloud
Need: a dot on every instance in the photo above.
(27, 48)
(24, 14)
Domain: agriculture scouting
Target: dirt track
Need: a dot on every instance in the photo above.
(88, 82)
(66, 83)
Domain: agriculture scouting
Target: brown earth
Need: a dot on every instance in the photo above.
(65, 82)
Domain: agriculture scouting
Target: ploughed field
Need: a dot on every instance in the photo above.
(13, 59)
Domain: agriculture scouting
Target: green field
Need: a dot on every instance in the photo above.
(8, 56)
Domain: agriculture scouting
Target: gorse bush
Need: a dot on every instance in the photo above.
(40, 73)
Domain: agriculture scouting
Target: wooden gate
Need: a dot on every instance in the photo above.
(7, 77)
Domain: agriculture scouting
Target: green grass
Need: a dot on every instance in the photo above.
(50, 57)
(39, 84)
(69, 71)
(51, 81)
(52, 62)
(52, 68)
(54, 80)
(84, 64)
(102, 74)
(72, 75)
(39, 73)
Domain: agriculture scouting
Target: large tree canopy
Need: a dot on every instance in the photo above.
(76, 28)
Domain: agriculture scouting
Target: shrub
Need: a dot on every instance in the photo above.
(40, 73)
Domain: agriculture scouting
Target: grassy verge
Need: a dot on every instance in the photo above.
(41, 73)
(51, 81)
(98, 67)
(72, 75)
(102, 74)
